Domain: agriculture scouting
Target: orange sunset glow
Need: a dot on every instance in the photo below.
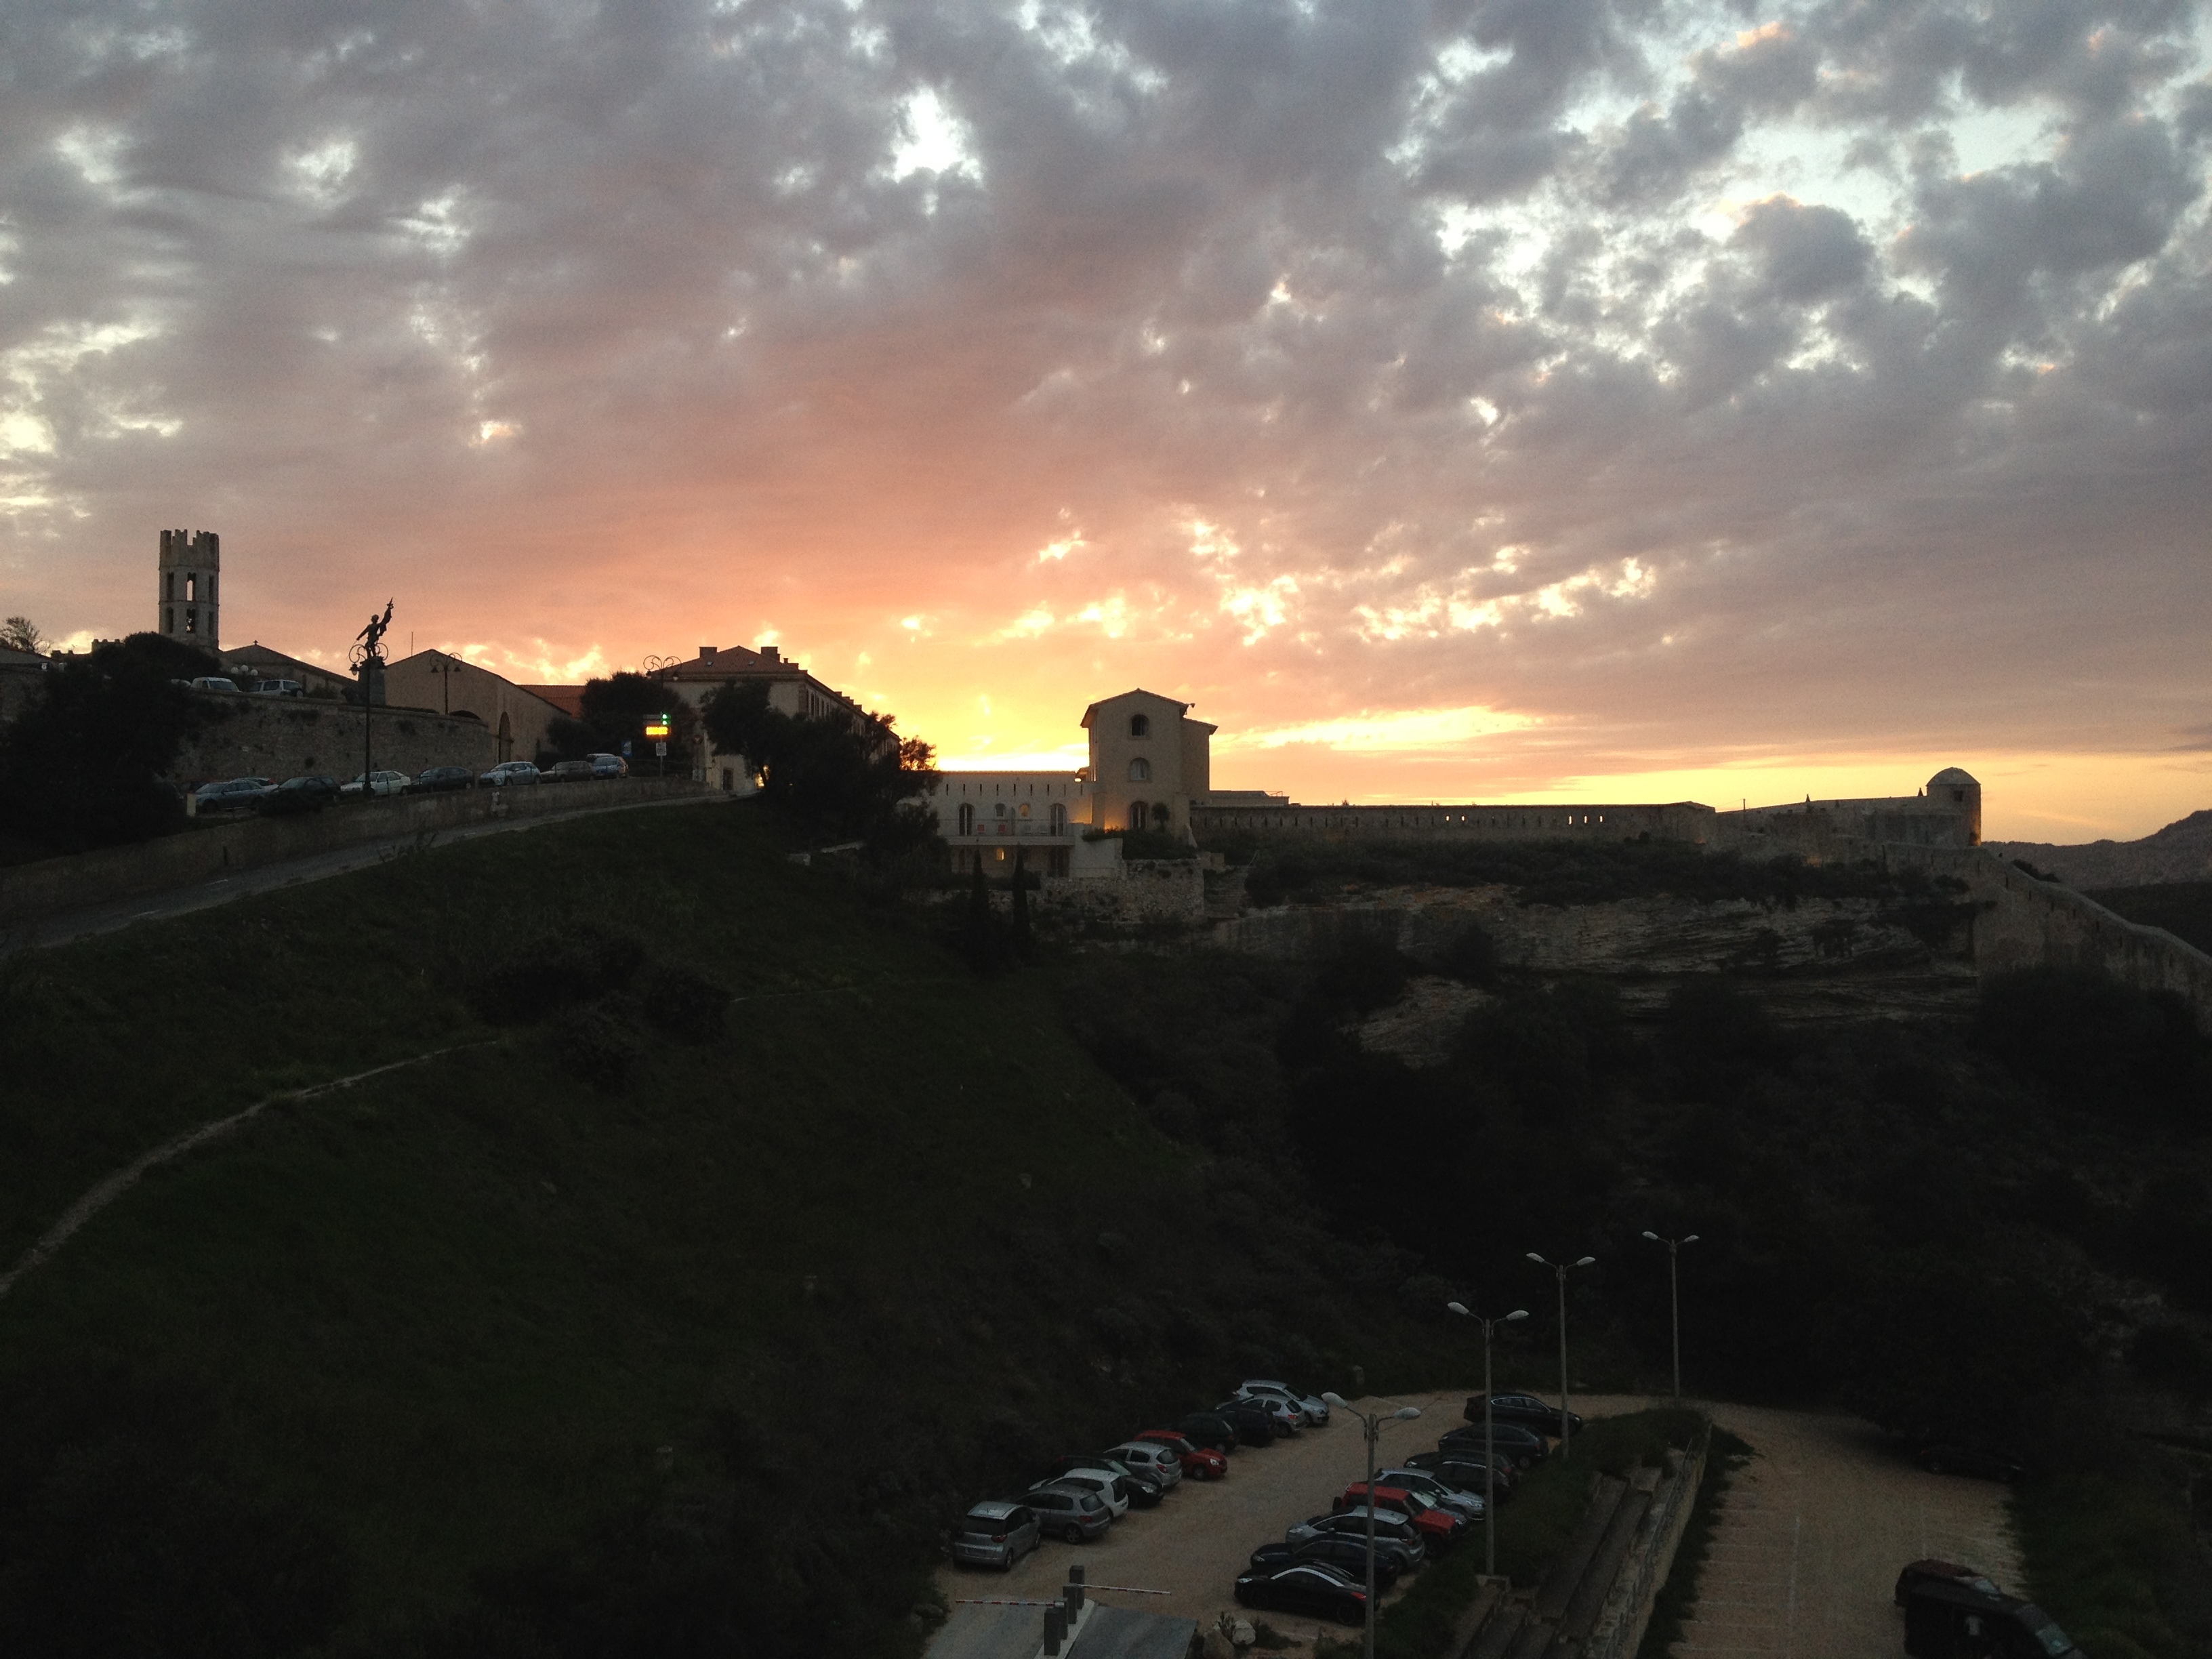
(1507, 403)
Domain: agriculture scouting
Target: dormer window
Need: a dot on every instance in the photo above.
(1140, 725)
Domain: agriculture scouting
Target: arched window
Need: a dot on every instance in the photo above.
(1022, 812)
(1140, 725)
(1141, 771)
(967, 819)
(1138, 815)
(1059, 820)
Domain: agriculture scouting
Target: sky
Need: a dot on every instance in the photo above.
(1497, 399)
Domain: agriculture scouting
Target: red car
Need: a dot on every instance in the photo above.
(1436, 1527)
(1198, 1462)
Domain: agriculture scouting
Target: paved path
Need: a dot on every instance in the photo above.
(1809, 1539)
(315, 866)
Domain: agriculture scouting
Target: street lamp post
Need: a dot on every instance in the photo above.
(1566, 1448)
(1372, 1423)
(1489, 1450)
(1675, 1300)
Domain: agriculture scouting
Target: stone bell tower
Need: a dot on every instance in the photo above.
(189, 607)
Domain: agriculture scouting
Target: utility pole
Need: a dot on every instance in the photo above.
(1371, 1423)
(1566, 1448)
(1675, 1300)
(1489, 1442)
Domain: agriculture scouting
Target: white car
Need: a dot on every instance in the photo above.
(1107, 1485)
(1308, 1408)
(508, 772)
(376, 783)
(213, 683)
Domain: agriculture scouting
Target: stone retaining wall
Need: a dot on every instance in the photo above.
(30, 892)
(282, 737)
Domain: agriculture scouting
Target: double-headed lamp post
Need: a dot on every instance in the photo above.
(1489, 1451)
(1372, 1422)
(1675, 1300)
(1566, 1446)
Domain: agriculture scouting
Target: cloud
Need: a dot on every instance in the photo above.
(1873, 340)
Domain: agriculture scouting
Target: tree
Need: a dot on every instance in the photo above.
(837, 775)
(83, 766)
(1020, 919)
(22, 634)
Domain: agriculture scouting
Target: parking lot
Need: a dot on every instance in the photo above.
(1804, 1557)
(1203, 1535)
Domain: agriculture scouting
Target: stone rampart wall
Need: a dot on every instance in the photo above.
(1680, 821)
(30, 892)
(1909, 821)
(284, 738)
(1149, 893)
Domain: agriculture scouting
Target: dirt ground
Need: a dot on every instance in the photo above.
(1803, 1561)
(1203, 1535)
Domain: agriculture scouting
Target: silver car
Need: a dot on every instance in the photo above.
(996, 1534)
(1314, 1407)
(508, 772)
(1069, 1512)
(1144, 1457)
(1394, 1524)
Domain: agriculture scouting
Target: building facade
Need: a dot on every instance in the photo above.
(1149, 761)
(518, 718)
(189, 606)
(791, 691)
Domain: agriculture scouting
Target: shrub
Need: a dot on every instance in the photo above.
(555, 971)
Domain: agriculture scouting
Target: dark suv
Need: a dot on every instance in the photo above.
(1525, 1409)
(1524, 1446)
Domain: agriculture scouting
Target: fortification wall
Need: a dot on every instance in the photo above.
(1684, 821)
(291, 737)
(1814, 829)
(2022, 922)
(1150, 893)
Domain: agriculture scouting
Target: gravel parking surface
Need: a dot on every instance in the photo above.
(1804, 1558)
(1203, 1535)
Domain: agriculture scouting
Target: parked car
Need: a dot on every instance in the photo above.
(434, 780)
(296, 795)
(1349, 1555)
(1074, 1513)
(1945, 1458)
(1108, 1487)
(1198, 1462)
(1312, 1407)
(213, 683)
(608, 766)
(278, 689)
(996, 1534)
(1392, 1524)
(1524, 1409)
(1524, 1446)
(510, 772)
(1219, 1430)
(1439, 1527)
(1143, 1491)
(572, 771)
(1461, 1465)
(1309, 1588)
(233, 795)
(1957, 1621)
(1930, 1570)
(1466, 1504)
(1155, 1462)
(375, 783)
(1287, 1418)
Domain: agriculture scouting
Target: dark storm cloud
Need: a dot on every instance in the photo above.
(1564, 355)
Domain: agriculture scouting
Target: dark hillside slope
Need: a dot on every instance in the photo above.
(2184, 909)
(608, 1333)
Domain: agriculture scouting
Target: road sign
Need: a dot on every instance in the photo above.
(625, 748)
(657, 726)
(661, 750)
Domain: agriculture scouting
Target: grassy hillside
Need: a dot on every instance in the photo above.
(600, 1334)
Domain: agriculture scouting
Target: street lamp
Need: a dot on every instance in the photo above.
(1372, 1422)
(1675, 1300)
(1560, 1268)
(1489, 1451)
